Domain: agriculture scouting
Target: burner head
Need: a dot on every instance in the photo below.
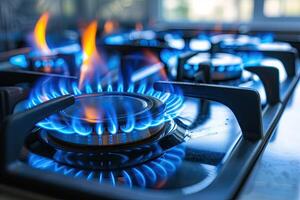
(58, 61)
(111, 118)
(230, 42)
(50, 63)
(224, 66)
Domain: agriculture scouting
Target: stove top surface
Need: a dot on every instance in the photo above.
(273, 175)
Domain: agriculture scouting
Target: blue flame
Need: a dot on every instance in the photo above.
(151, 174)
(114, 39)
(52, 88)
(57, 60)
(170, 58)
(266, 37)
(63, 60)
(19, 60)
(251, 58)
(129, 127)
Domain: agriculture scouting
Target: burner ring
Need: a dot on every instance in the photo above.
(109, 157)
(141, 107)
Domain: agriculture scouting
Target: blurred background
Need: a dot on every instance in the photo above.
(18, 17)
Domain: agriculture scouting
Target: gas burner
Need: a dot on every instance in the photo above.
(42, 63)
(235, 40)
(160, 40)
(62, 60)
(274, 46)
(147, 38)
(232, 41)
(223, 66)
(108, 129)
(59, 59)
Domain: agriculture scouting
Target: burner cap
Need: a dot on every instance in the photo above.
(94, 107)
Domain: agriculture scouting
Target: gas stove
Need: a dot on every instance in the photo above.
(172, 121)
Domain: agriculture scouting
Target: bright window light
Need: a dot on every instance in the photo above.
(207, 10)
(282, 8)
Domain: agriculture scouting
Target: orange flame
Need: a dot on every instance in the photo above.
(91, 60)
(89, 51)
(40, 33)
(153, 59)
(163, 74)
(139, 26)
(91, 113)
(110, 26)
